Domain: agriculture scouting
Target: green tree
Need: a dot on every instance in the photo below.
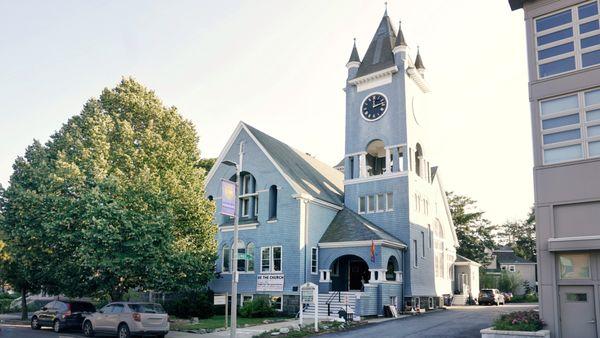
(525, 244)
(207, 164)
(122, 201)
(509, 281)
(475, 233)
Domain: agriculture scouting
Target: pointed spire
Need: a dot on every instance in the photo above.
(385, 13)
(400, 41)
(418, 61)
(354, 55)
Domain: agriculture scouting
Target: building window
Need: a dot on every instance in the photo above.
(250, 257)
(390, 201)
(571, 127)
(423, 242)
(503, 267)
(416, 252)
(226, 259)
(273, 202)
(371, 203)
(265, 259)
(574, 266)
(246, 298)
(241, 256)
(511, 268)
(430, 302)
(380, 202)
(248, 193)
(362, 204)
(568, 40)
(277, 258)
(277, 303)
(314, 261)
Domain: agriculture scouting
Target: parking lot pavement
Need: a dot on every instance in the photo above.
(456, 322)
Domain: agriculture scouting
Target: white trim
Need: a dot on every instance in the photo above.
(360, 108)
(310, 198)
(262, 249)
(400, 49)
(417, 77)
(376, 177)
(353, 64)
(228, 228)
(578, 238)
(373, 76)
(383, 242)
(273, 259)
(271, 221)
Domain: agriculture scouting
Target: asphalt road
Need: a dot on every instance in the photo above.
(456, 322)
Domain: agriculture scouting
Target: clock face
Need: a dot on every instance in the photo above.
(373, 107)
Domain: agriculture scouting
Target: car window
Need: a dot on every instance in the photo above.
(117, 308)
(82, 307)
(60, 306)
(147, 308)
(50, 305)
(106, 309)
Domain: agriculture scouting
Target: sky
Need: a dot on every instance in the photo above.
(279, 66)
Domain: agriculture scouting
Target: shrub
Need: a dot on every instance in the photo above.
(191, 304)
(259, 307)
(528, 298)
(519, 321)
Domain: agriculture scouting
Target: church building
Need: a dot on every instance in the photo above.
(375, 230)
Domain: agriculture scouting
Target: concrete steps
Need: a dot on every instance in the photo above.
(460, 300)
(337, 303)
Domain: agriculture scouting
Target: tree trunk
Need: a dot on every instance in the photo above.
(24, 303)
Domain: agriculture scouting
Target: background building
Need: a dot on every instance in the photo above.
(505, 259)
(563, 51)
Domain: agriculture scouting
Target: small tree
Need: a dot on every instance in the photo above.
(509, 281)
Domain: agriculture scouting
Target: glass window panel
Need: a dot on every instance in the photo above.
(590, 41)
(553, 20)
(226, 258)
(560, 121)
(562, 136)
(361, 204)
(593, 115)
(558, 35)
(390, 201)
(557, 67)
(594, 148)
(589, 26)
(380, 202)
(560, 104)
(576, 297)
(591, 58)
(265, 260)
(574, 266)
(371, 199)
(593, 131)
(588, 10)
(250, 257)
(241, 259)
(561, 154)
(592, 97)
(557, 50)
(277, 259)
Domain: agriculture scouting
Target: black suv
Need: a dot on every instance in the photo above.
(62, 314)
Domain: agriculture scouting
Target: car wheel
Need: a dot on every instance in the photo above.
(88, 329)
(124, 331)
(56, 326)
(35, 324)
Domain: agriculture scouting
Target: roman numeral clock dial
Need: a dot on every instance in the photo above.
(373, 107)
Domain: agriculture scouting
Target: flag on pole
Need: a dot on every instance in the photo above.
(228, 198)
(373, 251)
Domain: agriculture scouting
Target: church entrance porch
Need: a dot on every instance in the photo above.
(349, 273)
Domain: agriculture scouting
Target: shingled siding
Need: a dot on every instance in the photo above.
(284, 232)
(319, 218)
(422, 277)
(367, 304)
(387, 291)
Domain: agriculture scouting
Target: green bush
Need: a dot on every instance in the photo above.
(529, 298)
(259, 307)
(191, 304)
(519, 321)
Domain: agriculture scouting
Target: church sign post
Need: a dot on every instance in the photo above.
(309, 295)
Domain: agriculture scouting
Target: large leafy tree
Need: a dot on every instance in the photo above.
(474, 232)
(525, 240)
(121, 199)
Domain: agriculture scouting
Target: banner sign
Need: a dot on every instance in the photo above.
(228, 196)
(269, 282)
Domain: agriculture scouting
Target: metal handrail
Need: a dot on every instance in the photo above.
(330, 299)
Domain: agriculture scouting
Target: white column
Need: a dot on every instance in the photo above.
(372, 278)
(362, 160)
(388, 163)
(325, 276)
(381, 275)
(398, 276)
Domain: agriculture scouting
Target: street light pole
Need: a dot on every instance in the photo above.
(234, 270)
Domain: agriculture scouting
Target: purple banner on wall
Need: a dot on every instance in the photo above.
(228, 198)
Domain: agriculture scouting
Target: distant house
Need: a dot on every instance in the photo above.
(505, 259)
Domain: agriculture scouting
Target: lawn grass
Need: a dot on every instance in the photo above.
(216, 322)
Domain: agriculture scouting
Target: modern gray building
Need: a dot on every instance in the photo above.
(563, 51)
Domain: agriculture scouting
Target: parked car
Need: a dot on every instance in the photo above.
(491, 296)
(62, 314)
(128, 319)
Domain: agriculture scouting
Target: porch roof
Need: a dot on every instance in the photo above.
(348, 226)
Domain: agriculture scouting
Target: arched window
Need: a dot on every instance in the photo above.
(273, 202)
(248, 196)
(226, 259)
(250, 257)
(241, 256)
(375, 158)
(419, 161)
(392, 267)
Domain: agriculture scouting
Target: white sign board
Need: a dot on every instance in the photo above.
(269, 282)
(220, 299)
(308, 296)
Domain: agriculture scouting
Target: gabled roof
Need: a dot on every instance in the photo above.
(379, 55)
(516, 4)
(462, 259)
(305, 174)
(506, 255)
(348, 226)
(400, 41)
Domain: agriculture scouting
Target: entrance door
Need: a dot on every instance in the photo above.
(356, 270)
(577, 311)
